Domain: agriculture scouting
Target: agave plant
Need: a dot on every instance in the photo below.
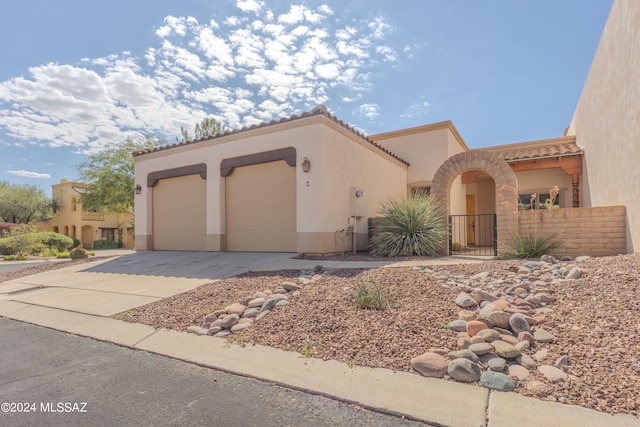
(409, 226)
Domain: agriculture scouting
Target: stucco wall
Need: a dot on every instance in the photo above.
(607, 119)
(325, 196)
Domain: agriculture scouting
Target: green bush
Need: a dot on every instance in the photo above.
(409, 226)
(14, 258)
(63, 255)
(373, 295)
(105, 244)
(55, 241)
(78, 253)
(530, 245)
(21, 240)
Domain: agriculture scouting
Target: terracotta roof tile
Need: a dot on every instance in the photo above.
(527, 153)
(319, 110)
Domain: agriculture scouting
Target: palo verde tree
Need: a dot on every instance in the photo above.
(208, 126)
(110, 175)
(23, 203)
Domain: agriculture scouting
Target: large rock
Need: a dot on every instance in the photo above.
(236, 308)
(497, 381)
(464, 300)
(504, 349)
(544, 336)
(464, 370)
(475, 326)
(499, 318)
(465, 353)
(229, 320)
(519, 372)
(518, 323)
(489, 335)
(430, 365)
(552, 373)
(458, 325)
(481, 348)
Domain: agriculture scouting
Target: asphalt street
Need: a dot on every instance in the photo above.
(65, 380)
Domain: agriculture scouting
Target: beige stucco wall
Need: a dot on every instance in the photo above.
(606, 122)
(341, 162)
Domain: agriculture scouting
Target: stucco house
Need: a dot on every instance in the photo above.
(310, 183)
(71, 220)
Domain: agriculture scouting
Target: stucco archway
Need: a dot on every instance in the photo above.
(505, 181)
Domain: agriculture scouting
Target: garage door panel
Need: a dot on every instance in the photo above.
(179, 214)
(261, 208)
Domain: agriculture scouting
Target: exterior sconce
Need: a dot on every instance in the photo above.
(138, 189)
(306, 165)
(359, 193)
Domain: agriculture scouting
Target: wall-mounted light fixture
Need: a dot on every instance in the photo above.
(359, 193)
(138, 189)
(306, 165)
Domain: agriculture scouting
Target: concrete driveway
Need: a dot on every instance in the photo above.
(111, 286)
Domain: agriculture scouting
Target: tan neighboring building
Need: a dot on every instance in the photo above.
(606, 123)
(310, 184)
(71, 220)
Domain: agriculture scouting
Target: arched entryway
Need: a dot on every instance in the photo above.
(506, 188)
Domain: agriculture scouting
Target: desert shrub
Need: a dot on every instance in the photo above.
(64, 254)
(76, 243)
(78, 253)
(409, 226)
(369, 294)
(105, 244)
(14, 258)
(55, 241)
(456, 246)
(21, 240)
(532, 245)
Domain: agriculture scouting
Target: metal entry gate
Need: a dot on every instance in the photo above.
(473, 235)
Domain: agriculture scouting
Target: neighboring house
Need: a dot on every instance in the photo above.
(71, 220)
(309, 183)
(606, 123)
(6, 226)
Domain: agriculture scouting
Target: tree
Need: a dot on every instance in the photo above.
(208, 126)
(22, 204)
(110, 175)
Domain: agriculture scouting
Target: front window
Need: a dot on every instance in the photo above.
(420, 191)
(536, 201)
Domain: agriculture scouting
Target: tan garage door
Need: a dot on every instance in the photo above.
(179, 214)
(261, 208)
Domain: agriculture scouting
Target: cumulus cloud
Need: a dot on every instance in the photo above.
(29, 174)
(254, 64)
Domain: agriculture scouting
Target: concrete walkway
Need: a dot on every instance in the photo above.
(80, 300)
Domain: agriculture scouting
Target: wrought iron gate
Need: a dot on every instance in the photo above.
(475, 234)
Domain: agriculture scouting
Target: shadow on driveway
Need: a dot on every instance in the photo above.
(193, 265)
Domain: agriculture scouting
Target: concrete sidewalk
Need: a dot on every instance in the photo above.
(80, 300)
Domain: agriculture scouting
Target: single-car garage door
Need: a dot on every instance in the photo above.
(261, 208)
(179, 214)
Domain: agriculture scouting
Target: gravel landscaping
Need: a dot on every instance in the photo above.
(594, 319)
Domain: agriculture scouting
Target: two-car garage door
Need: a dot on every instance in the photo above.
(260, 210)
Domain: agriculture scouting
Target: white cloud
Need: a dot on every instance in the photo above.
(256, 66)
(370, 111)
(250, 5)
(29, 174)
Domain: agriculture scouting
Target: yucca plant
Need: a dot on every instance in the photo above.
(530, 245)
(409, 226)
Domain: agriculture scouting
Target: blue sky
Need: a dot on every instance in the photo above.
(77, 74)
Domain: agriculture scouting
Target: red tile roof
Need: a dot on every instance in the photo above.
(319, 110)
(539, 152)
